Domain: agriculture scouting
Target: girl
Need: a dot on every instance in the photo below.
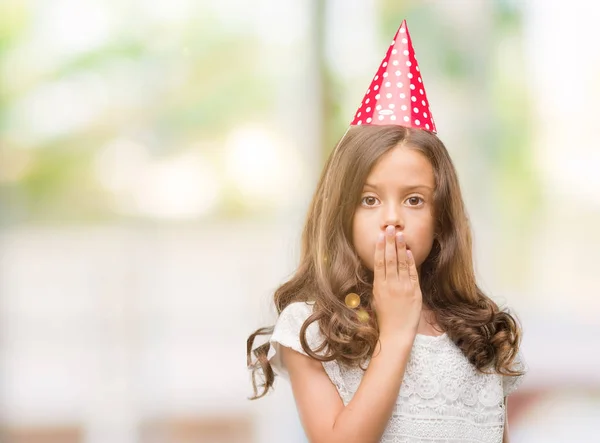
(382, 330)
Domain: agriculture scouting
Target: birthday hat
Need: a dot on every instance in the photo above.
(397, 94)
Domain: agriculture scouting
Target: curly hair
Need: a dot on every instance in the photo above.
(329, 267)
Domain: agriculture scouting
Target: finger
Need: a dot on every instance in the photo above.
(412, 267)
(391, 259)
(379, 261)
(401, 251)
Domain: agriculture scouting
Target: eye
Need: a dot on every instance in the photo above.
(369, 200)
(414, 201)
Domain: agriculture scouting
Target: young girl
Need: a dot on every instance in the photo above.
(382, 330)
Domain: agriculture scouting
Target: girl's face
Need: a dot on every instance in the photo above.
(397, 192)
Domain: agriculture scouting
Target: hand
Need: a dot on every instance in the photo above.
(397, 295)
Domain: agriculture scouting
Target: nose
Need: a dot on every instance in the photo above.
(392, 217)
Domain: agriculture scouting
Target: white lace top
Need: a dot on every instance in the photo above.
(442, 398)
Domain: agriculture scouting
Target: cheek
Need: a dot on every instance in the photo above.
(364, 237)
(423, 240)
(425, 229)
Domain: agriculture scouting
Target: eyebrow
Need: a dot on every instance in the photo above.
(405, 188)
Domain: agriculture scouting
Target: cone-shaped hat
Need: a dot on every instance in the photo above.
(397, 93)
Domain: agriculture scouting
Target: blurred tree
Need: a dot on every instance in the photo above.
(334, 125)
(195, 87)
(517, 186)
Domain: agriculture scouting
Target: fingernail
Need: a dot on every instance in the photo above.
(380, 237)
(400, 237)
(390, 230)
(409, 253)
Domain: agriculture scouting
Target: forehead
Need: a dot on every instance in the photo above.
(402, 166)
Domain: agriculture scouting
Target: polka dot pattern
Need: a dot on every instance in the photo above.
(404, 102)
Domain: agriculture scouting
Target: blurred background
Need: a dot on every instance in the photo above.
(156, 162)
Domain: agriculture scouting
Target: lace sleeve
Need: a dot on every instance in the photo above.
(287, 333)
(511, 383)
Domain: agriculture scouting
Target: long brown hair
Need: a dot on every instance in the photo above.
(329, 267)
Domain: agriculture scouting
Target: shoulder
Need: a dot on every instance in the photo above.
(289, 324)
(510, 383)
(292, 318)
(297, 310)
(286, 333)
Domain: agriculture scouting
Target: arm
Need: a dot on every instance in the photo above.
(323, 415)
(505, 437)
(398, 302)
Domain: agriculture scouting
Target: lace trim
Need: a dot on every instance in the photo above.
(412, 429)
(335, 375)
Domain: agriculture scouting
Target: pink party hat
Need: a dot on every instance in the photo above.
(397, 94)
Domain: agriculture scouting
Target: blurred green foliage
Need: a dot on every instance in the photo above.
(197, 81)
(196, 87)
